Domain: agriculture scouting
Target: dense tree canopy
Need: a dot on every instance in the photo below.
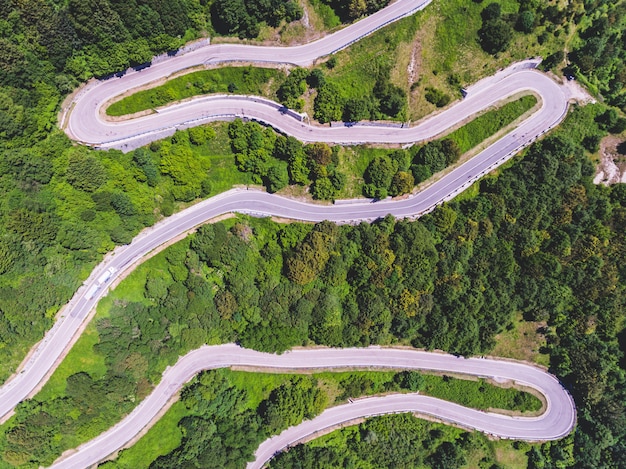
(539, 238)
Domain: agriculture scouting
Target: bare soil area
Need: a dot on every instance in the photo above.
(612, 166)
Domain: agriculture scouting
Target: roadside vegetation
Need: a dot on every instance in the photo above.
(240, 80)
(88, 371)
(403, 441)
(271, 402)
(332, 172)
(488, 124)
(537, 238)
(450, 281)
(112, 196)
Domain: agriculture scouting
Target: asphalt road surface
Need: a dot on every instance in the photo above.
(85, 125)
(42, 361)
(84, 117)
(556, 422)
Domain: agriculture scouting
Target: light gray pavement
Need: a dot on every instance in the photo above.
(483, 94)
(43, 360)
(556, 422)
(83, 114)
(554, 107)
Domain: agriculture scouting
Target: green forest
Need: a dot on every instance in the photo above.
(400, 441)
(536, 238)
(539, 238)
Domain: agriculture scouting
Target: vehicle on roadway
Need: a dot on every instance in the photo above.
(92, 291)
(106, 275)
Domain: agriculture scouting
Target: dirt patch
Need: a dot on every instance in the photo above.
(612, 166)
(524, 341)
(576, 92)
(415, 63)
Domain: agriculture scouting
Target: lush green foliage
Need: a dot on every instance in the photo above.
(540, 239)
(293, 87)
(478, 394)
(388, 174)
(349, 10)
(243, 18)
(437, 97)
(269, 402)
(529, 241)
(434, 157)
(63, 207)
(495, 35)
(484, 126)
(385, 100)
(276, 160)
(399, 441)
(242, 80)
(85, 38)
(68, 206)
(598, 52)
(219, 431)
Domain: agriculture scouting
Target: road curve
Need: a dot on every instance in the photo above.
(85, 120)
(43, 360)
(515, 79)
(557, 421)
(85, 125)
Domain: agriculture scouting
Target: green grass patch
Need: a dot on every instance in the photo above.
(489, 123)
(326, 14)
(240, 80)
(257, 385)
(522, 341)
(223, 174)
(405, 441)
(451, 56)
(353, 162)
(479, 394)
(580, 123)
(214, 156)
(361, 64)
(132, 288)
(81, 357)
(162, 438)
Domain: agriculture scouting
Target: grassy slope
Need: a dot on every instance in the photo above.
(481, 452)
(245, 80)
(448, 41)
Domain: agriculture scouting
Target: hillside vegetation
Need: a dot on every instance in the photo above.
(539, 239)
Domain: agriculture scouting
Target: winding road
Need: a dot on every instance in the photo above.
(556, 422)
(83, 121)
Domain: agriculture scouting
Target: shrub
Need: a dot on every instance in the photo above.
(495, 36)
(525, 22)
(437, 97)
